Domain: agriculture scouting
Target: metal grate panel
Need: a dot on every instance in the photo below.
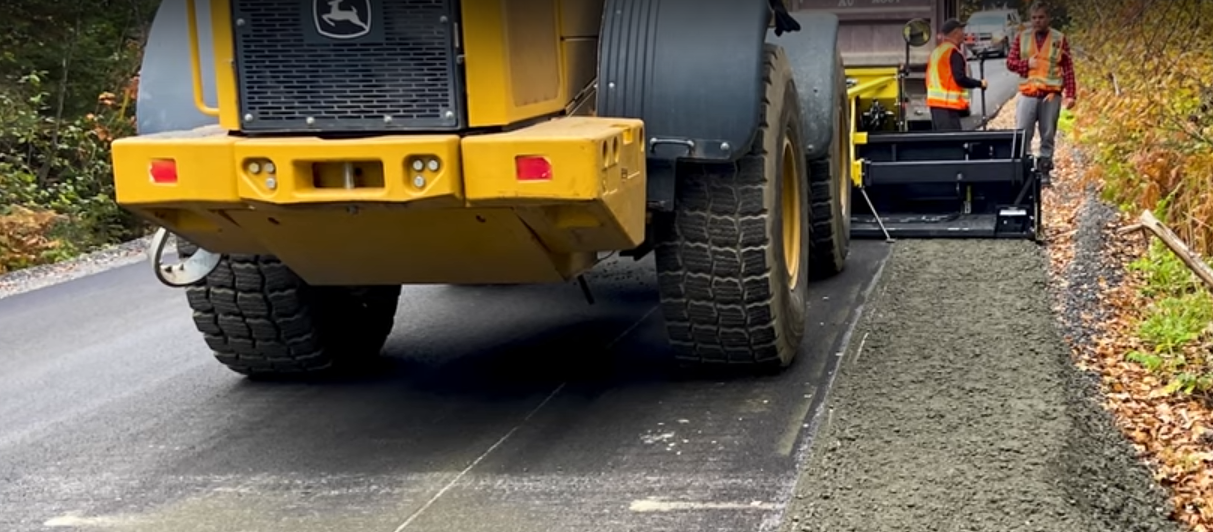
(398, 75)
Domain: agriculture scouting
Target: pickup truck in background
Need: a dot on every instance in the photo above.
(990, 32)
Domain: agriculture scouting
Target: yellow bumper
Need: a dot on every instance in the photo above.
(533, 205)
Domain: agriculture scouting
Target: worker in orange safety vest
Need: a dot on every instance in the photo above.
(1041, 57)
(948, 82)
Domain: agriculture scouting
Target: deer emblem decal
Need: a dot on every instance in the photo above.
(340, 21)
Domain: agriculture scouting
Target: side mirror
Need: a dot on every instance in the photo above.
(916, 32)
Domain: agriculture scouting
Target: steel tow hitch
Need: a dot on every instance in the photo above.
(194, 269)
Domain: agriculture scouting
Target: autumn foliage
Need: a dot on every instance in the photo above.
(1148, 347)
(1144, 126)
(1146, 97)
(67, 89)
(24, 239)
(1146, 123)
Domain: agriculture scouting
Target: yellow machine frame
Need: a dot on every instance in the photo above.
(867, 84)
(485, 161)
(455, 203)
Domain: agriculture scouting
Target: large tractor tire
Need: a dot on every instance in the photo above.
(261, 320)
(830, 190)
(732, 258)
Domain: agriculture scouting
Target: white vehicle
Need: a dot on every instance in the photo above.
(991, 32)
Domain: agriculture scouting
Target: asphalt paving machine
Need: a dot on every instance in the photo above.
(918, 183)
(934, 184)
(312, 157)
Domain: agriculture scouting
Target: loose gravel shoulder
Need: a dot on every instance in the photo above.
(30, 279)
(957, 409)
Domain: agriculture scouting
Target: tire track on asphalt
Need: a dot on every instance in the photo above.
(413, 517)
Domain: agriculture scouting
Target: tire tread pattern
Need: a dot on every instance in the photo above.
(823, 258)
(260, 318)
(714, 275)
(829, 239)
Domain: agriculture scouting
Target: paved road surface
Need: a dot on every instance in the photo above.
(511, 409)
(1002, 88)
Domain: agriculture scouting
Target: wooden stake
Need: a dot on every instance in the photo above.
(1190, 259)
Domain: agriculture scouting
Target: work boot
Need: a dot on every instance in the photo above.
(1044, 165)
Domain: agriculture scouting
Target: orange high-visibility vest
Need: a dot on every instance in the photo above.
(942, 90)
(1046, 77)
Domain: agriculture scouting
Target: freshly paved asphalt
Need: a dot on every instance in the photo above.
(507, 409)
(520, 408)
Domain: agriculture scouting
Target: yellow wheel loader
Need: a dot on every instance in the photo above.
(311, 157)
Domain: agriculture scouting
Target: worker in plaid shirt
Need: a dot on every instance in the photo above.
(1041, 57)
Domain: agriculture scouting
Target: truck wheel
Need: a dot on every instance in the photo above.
(262, 320)
(732, 259)
(830, 190)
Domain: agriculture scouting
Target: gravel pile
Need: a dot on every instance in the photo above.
(1118, 492)
(1080, 305)
(958, 408)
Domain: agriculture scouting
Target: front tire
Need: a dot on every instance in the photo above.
(732, 259)
(261, 320)
(830, 190)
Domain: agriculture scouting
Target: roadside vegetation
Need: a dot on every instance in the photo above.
(67, 89)
(1144, 128)
(1146, 124)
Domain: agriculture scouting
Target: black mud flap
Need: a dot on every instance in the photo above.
(963, 184)
(692, 70)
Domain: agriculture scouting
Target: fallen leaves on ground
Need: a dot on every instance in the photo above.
(23, 237)
(1173, 434)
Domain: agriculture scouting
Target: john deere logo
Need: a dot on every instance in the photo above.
(342, 19)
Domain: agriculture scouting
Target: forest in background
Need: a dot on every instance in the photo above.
(1145, 71)
(68, 80)
(1144, 122)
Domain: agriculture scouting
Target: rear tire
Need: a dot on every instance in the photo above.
(830, 190)
(733, 288)
(261, 320)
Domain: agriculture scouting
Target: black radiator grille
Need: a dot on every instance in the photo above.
(401, 76)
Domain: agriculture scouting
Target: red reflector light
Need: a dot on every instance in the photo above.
(532, 168)
(163, 171)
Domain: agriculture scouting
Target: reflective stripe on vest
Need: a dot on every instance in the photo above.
(1046, 77)
(942, 89)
